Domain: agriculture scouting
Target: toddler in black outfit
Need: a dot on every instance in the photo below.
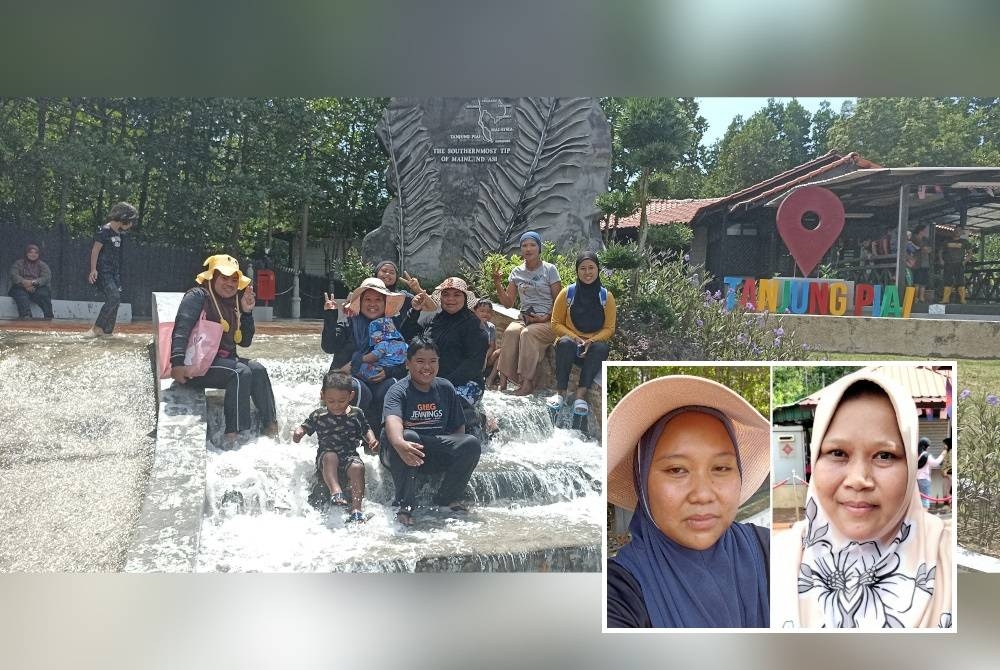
(340, 428)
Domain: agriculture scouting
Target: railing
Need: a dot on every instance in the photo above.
(879, 270)
(982, 281)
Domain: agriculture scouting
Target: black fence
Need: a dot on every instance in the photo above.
(982, 279)
(145, 268)
(311, 290)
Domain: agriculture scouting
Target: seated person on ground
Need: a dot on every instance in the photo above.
(583, 320)
(30, 278)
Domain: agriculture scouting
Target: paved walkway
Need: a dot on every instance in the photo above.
(276, 327)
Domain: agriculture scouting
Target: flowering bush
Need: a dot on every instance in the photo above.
(675, 317)
(671, 315)
(978, 481)
(353, 269)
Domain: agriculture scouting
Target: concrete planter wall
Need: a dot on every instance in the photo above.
(931, 338)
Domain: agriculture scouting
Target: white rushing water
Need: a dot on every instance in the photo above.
(537, 502)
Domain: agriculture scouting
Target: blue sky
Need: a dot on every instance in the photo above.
(719, 112)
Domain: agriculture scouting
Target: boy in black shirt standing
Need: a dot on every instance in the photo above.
(425, 432)
(340, 428)
(106, 265)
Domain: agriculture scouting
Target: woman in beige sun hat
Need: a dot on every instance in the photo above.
(685, 452)
(350, 342)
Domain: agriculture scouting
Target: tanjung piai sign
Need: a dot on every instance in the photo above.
(807, 247)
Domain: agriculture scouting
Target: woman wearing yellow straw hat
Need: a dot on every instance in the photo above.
(867, 555)
(226, 297)
(684, 452)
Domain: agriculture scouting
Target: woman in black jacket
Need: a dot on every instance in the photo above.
(458, 333)
(227, 298)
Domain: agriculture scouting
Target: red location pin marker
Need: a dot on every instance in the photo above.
(809, 246)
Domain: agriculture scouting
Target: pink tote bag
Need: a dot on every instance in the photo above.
(203, 346)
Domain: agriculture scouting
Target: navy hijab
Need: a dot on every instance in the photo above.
(724, 586)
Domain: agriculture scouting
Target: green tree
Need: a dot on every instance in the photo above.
(653, 134)
(822, 121)
(793, 383)
(749, 152)
(912, 131)
(614, 206)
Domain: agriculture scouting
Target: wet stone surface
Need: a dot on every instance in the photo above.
(75, 449)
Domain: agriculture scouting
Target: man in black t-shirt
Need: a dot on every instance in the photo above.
(106, 265)
(425, 432)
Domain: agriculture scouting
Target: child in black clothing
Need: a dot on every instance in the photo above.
(340, 427)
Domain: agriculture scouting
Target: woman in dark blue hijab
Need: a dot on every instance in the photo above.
(684, 452)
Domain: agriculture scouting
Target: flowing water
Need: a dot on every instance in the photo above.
(536, 494)
(76, 445)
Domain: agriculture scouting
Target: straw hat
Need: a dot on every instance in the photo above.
(393, 301)
(647, 403)
(455, 283)
(225, 265)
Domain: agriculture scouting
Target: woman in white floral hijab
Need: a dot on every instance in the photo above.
(867, 555)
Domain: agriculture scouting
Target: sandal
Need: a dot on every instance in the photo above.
(338, 499)
(405, 515)
(581, 408)
(356, 517)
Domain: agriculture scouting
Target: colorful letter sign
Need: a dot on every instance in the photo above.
(816, 296)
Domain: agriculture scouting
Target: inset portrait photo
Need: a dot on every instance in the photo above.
(864, 531)
(688, 496)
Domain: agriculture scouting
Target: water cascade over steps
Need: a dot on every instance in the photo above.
(537, 502)
(536, 496)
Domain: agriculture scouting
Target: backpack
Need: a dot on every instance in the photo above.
(571, 293)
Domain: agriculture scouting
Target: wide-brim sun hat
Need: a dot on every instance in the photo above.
(225, 265)
(648, 403)
(455, 283)
(393, 301)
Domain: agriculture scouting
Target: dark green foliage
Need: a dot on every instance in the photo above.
(753, 382)
(671, 237)
(218, 173)
(618, 256)
(792, 384)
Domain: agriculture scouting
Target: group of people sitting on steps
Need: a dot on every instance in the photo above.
(409, 366)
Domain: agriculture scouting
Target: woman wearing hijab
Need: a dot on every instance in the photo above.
(583, 320)
(389, 274)
(226, 297)
(535, 283)
(867, 555)
(685, 452)
(30, 278)
(459, 335)
(349, 341)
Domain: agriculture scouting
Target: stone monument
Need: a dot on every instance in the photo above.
(469, 175)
